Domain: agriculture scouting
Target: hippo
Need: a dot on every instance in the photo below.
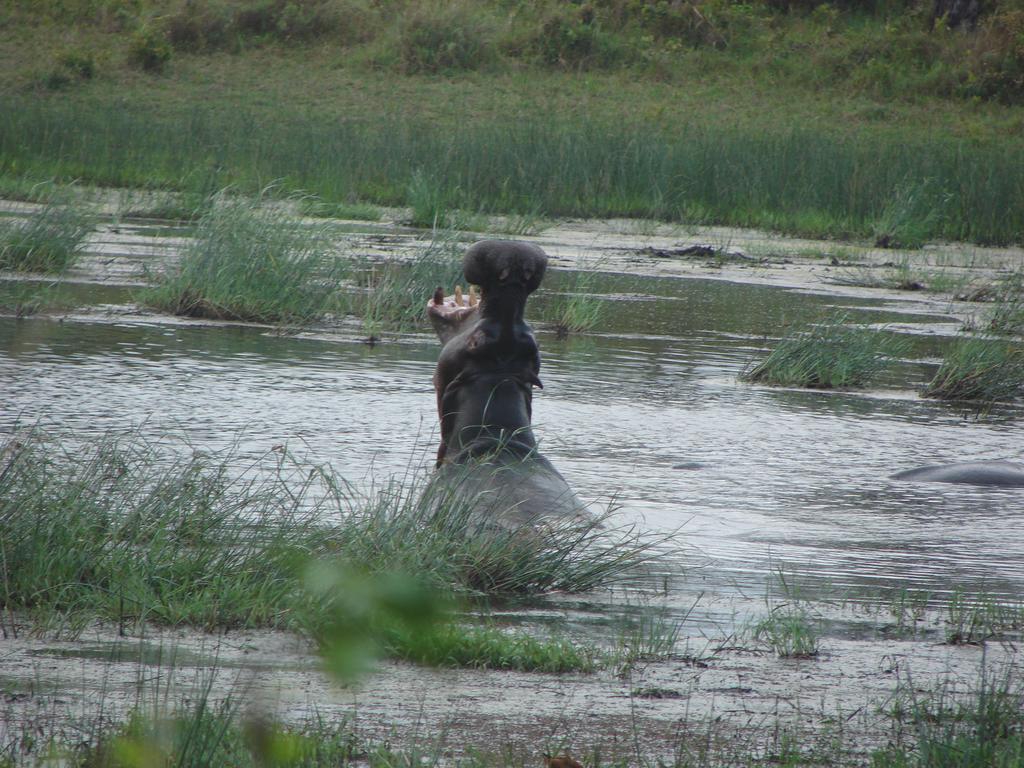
(484, 380)
(1004, 474)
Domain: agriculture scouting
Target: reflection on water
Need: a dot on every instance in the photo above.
(788, 480)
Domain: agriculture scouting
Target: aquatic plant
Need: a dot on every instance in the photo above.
(972, 620)
(979, 369)
(1007, 317)
(651, 637)
(115, 530)
(435, 533)
(830, 355)
(983, 729)
(312, 206)
(118, 530)
(488, 646)
(25, 299)
(50, 240)
(576, 309)
(394, 294)
(252, 263)
(790, 632)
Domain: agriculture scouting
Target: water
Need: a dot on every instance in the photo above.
(650, 414)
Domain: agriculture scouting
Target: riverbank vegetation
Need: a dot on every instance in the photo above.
(979, 369)
(900, 130)
(251, 264)
(830, 355)
(49, 240)
(119, 531)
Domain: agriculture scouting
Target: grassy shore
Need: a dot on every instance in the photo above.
(638, 117)
(122, 532)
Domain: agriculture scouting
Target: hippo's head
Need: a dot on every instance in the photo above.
(504, 265)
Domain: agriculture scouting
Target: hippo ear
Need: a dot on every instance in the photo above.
(534, 379)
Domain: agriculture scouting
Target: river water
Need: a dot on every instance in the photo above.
(647, 414)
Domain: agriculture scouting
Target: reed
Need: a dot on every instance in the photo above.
(50, 240)
(979, 369)
(828, 356)
(254, 264)
(794, 179)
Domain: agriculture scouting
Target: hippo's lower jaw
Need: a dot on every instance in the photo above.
(1004, 474)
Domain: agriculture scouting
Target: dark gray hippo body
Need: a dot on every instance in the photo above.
(1004, 474)
(484, 381)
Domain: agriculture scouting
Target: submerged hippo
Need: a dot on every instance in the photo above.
(999, 473)
(484, 381)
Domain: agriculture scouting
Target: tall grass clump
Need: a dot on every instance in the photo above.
(428, 200)
(1008, 315)
(394, 294)
(255, 264)
(50, 240)
(442, 534)
(117, 531)
(790, 632)
(828, 356)
(910, 215)
(576, 309)
(120, 531)
(979, 369)
(984, 729)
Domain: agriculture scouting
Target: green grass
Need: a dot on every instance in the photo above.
(979, 370)
(394, 295)
(24, 299)
(490, 647)
(982, 730)
(1008, 315)
(121, 532)
(109, 531)
(790, 632)
(50, 241)
(830, 355)
(252, 263)
(311, 206)
(575, 309)
(794, 179)
(974, 620)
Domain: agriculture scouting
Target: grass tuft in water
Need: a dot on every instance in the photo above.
(394, 294)
(119, 531)
(24, 299)
(253, 264)
(790, 632)
(322, 209)
(830, 355)
(49, 241)
(436, 534)
(490, 647)
(576, 309)
(1008, 315)
(116, 531)
(979, 370)
(984, 729)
